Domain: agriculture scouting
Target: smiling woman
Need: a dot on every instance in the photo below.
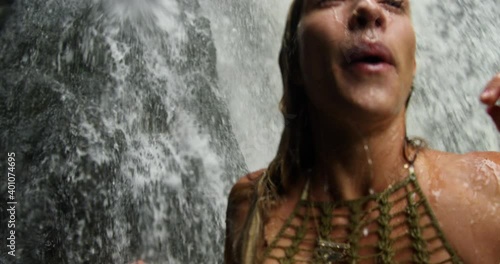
(347, 185)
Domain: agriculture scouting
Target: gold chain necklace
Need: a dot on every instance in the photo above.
(326, 251)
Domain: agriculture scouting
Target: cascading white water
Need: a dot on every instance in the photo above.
(247, 36)
(132, 120)
(123, 141)
(456, 58)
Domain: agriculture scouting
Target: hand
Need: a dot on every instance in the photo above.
(491, 98)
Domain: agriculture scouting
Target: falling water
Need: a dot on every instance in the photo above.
(122, 137)
(130, 121)
(456, 58)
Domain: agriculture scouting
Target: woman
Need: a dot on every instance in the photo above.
(346, 185)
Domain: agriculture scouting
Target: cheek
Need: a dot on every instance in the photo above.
(311, 39)
(409, 69)
(408, 50)
(411, 42)
(319, 38)
(412, 47)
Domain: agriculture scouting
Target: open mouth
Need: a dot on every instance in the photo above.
(369, 53)
(370, 59)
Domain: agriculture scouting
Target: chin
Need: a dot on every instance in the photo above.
(375, 102)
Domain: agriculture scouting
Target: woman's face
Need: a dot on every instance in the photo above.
(357, 57)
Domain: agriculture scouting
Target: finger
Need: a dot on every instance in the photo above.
(494, 112)
(492, 91)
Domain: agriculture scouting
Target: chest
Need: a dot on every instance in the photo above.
(397, 226)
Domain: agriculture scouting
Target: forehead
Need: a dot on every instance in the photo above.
(302, 3)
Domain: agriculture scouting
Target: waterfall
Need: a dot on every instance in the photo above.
(456, 58)
(131, 120)
(123, 140)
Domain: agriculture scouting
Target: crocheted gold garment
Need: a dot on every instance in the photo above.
(395, 226)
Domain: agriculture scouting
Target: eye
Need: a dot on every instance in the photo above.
(327, 3)
(399, 4)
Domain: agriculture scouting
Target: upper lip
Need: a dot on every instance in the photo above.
(369, 52)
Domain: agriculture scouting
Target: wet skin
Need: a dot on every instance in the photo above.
(352, 91)
(357, 64)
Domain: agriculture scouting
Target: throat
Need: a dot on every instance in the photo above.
(364, 174)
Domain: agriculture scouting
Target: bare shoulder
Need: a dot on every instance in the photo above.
(484, 169)
(479, 171)
(238, 207)
(464, 190)
(241, 194)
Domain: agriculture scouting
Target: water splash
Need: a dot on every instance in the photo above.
(119, 114)
(124, 142)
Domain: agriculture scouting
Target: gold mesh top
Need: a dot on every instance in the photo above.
(395, 226)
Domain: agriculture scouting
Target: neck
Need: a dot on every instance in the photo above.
(352, 161)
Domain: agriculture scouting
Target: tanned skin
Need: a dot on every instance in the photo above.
(368, 108)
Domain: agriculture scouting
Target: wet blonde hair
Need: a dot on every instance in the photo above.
(295, 152)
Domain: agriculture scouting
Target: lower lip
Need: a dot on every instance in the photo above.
(370, 68)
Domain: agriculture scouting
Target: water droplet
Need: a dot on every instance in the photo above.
(365, 231)
(436, 194)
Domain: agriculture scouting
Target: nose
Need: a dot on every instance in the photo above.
(367, 14)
